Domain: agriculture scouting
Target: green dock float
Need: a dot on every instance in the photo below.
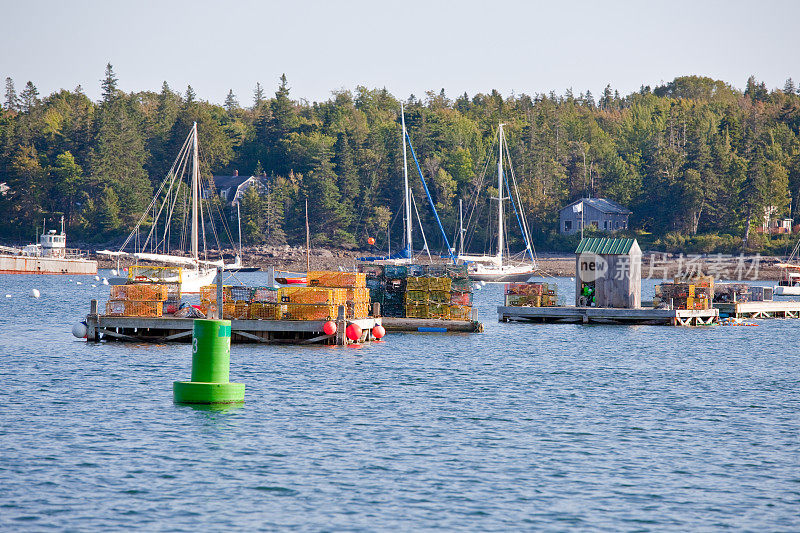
(211, 356)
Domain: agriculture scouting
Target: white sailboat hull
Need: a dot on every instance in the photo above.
(787, 290)
(192, 280)
(501, 274)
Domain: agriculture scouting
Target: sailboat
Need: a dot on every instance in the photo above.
(195, 271)
(406, 254)
(789, 284)
(236, 266)
(497, 267)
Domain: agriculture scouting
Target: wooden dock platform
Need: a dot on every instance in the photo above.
(171, 329)
(431, 325)
(606, 315)
(774, 309)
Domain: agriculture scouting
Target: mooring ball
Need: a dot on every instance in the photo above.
(353, 332)
(113, 271)
(378, 332)
(329, 328)
(105, 281)
(35, 293)
(79, 330)
(97, 278)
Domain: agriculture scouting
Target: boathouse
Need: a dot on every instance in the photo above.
(608, 273)
(599, 213)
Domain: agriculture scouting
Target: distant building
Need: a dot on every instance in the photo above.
(603, 214)
(232, 188)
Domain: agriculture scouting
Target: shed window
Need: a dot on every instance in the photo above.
(567, 225)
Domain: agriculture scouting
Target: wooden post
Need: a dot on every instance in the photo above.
(271, 276)
(92, 321)
(341, 324)
(219, 292)
(376, 309)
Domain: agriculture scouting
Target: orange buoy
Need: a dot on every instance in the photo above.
(371, 241)
(353, 332)
(378, 332)
(329, 328)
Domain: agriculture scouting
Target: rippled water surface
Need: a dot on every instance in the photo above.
(546, 427)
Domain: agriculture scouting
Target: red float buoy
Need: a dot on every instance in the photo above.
(353, 332)
(371, 241)
(329, 328)
(378, 332)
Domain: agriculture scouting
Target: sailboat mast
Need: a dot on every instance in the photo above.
(195, 191)
(407, 196)
(500, 243)
(308, 242)
(239, 219)
(460, 227)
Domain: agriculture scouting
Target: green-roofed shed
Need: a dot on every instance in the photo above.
(608, 273)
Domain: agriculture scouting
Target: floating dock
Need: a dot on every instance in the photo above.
(774, 309)
(430, 325)
(170, 329)
(607, 315)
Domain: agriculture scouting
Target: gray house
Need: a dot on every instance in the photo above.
(603, 214)
(233, 188)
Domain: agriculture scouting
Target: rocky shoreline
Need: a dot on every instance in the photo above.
(655, 265)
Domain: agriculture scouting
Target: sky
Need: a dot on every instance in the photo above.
(408, 47)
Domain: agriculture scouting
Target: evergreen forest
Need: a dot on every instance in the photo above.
(702, 165)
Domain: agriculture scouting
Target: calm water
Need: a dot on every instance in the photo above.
(545, 427)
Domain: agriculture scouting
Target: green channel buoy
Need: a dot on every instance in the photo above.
(211, 358)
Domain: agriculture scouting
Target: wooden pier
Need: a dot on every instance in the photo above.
(170, 329)
(774, 309)
(607, 315)
(431, 325)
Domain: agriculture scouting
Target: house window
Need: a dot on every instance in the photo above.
(596, 224)
(605, 224)
(567, 225)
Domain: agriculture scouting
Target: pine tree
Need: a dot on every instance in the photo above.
(107, 217)
(231, 104)
(190, 95)
(109, 84)
(12, 100)
(29, 97)
(789, 87)
(258, 95)
(68, 177)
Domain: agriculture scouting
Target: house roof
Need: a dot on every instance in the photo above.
(223, 182)
(605, 246)
(604, 205)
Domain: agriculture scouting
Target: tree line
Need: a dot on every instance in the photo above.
(699, 162)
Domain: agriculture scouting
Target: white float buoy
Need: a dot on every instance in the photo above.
(79, 330)
(8, 296)
(105, 281)
(483, 283)
(113, 271)
(35, 293)
(93, 285)
(80, 283)
(97, 278)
